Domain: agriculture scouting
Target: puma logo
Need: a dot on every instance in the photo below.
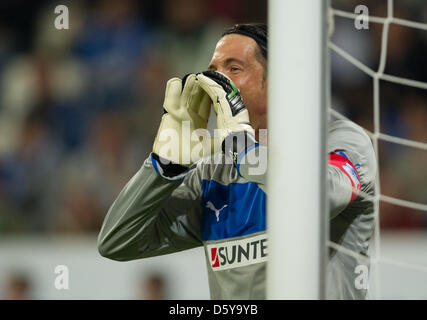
(210, 205)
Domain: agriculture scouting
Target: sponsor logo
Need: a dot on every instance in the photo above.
(238, 253)
(215, 258)
(211, 206)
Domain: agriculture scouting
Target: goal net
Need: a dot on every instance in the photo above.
(376, 54)
(379, 52)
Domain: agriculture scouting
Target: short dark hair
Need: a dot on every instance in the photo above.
(256, 31)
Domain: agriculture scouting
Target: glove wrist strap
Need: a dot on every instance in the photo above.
(167, 169)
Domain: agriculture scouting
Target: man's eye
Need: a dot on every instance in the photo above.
(234, 69)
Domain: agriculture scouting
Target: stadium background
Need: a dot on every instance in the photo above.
(79, 110)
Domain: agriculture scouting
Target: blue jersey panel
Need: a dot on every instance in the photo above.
(233, 210)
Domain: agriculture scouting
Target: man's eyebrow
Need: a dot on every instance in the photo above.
(226, 62)
(231, 60)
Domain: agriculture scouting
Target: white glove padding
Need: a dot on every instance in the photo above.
(232, 115)
(186, 109)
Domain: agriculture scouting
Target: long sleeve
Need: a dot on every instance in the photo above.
(351, 167)
(340, 190)
(351, 175)
(152, 216)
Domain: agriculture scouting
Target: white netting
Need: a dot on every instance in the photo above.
(376, 135)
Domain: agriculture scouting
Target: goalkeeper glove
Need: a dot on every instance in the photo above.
(236, 133)
(186, 109)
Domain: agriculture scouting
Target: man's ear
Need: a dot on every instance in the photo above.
(264, 82)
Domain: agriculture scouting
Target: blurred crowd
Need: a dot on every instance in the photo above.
(79, 108)
(19, 285)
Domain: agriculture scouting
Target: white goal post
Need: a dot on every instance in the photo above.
(297, 113)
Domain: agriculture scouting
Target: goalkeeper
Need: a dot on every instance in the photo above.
(177, 201)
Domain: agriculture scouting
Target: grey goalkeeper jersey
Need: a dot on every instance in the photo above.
(215, 207)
